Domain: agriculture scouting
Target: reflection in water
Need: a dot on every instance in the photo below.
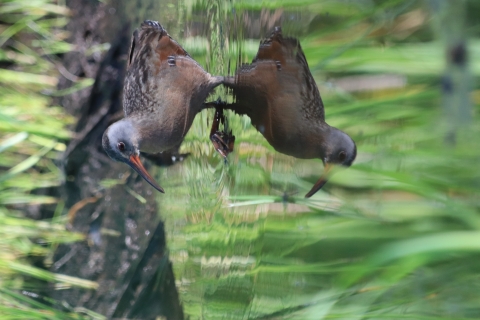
(219, 248)
(245, 246)
(278, 93)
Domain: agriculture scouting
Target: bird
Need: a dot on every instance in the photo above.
(277, 91)
(164, 89)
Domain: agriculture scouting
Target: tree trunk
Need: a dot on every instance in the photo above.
(125, 252)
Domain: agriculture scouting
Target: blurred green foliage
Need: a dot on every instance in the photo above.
(32, 136)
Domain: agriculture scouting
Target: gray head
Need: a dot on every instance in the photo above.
(120, 142)
(339, 150)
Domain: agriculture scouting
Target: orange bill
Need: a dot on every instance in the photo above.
(321, 182)
(137, 165)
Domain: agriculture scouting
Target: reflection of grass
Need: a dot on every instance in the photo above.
(393, 237)
(32, 137)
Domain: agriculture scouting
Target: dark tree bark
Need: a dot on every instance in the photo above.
(126, 251)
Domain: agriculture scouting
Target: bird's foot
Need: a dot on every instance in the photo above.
(219, 103)
(223, 141)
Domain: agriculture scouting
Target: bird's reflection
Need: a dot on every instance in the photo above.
(278, 93)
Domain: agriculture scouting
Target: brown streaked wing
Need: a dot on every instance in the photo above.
(149, 53)
(288, 53)
(151, 32)
(312, 101)
(274, 48)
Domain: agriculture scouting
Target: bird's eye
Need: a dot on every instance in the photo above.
(121, 146)
(341, 156)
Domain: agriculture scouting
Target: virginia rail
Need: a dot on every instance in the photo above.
(278, 93)
(164, 89)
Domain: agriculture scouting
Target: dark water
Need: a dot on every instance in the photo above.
(244, 242)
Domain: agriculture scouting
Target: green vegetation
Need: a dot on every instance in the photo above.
(32, 137)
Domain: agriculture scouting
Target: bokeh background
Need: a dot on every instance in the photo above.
(393, 237)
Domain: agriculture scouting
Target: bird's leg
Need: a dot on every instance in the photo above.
(214, 104)
(225, 106)
(223, 141)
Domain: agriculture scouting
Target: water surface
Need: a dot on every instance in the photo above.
(246, 244)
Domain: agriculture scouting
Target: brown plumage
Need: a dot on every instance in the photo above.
(164, 89)
(277, 91)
